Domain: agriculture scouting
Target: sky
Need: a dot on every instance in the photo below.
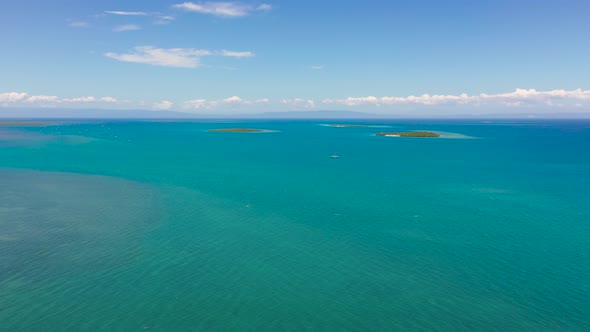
(378, 56)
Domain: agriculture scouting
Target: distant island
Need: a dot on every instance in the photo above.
(409, 134)
(23, 124)
(338, 125)
(236, 130)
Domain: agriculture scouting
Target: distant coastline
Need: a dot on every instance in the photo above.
(24, 124)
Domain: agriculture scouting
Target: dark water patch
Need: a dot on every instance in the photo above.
(12, 137)
(56, 224)
(15, 137)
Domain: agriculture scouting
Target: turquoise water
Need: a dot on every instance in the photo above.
(118, 226)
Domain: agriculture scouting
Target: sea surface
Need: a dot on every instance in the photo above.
(163, 226)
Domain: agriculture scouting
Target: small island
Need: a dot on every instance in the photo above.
(427, 134)
(338, 125)
(236, 130)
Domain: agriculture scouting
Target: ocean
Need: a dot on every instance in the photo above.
(164, 226)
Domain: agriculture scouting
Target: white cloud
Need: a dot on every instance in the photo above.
(163, 105)
(264, 7)
(43, 99)
(234, 54)
(79, 24)
(126, 13)
(159, 18)
(230, 101)
(299, 103)
(317, 67)
(126, 27)
(12, 97)
(88, 99)
(23, 98)
(519, 97)
(223, 9)
(164, 19)
(171, 57)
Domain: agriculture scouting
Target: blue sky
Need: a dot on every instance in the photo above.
(456, 57)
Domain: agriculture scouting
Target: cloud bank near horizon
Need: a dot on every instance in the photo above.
(577, 100)
(517, 98)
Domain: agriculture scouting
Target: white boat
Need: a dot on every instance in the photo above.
(334, 156)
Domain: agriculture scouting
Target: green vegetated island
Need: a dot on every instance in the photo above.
(428, 134)
(236, 130)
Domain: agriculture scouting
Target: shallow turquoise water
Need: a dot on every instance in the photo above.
(163, 226)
